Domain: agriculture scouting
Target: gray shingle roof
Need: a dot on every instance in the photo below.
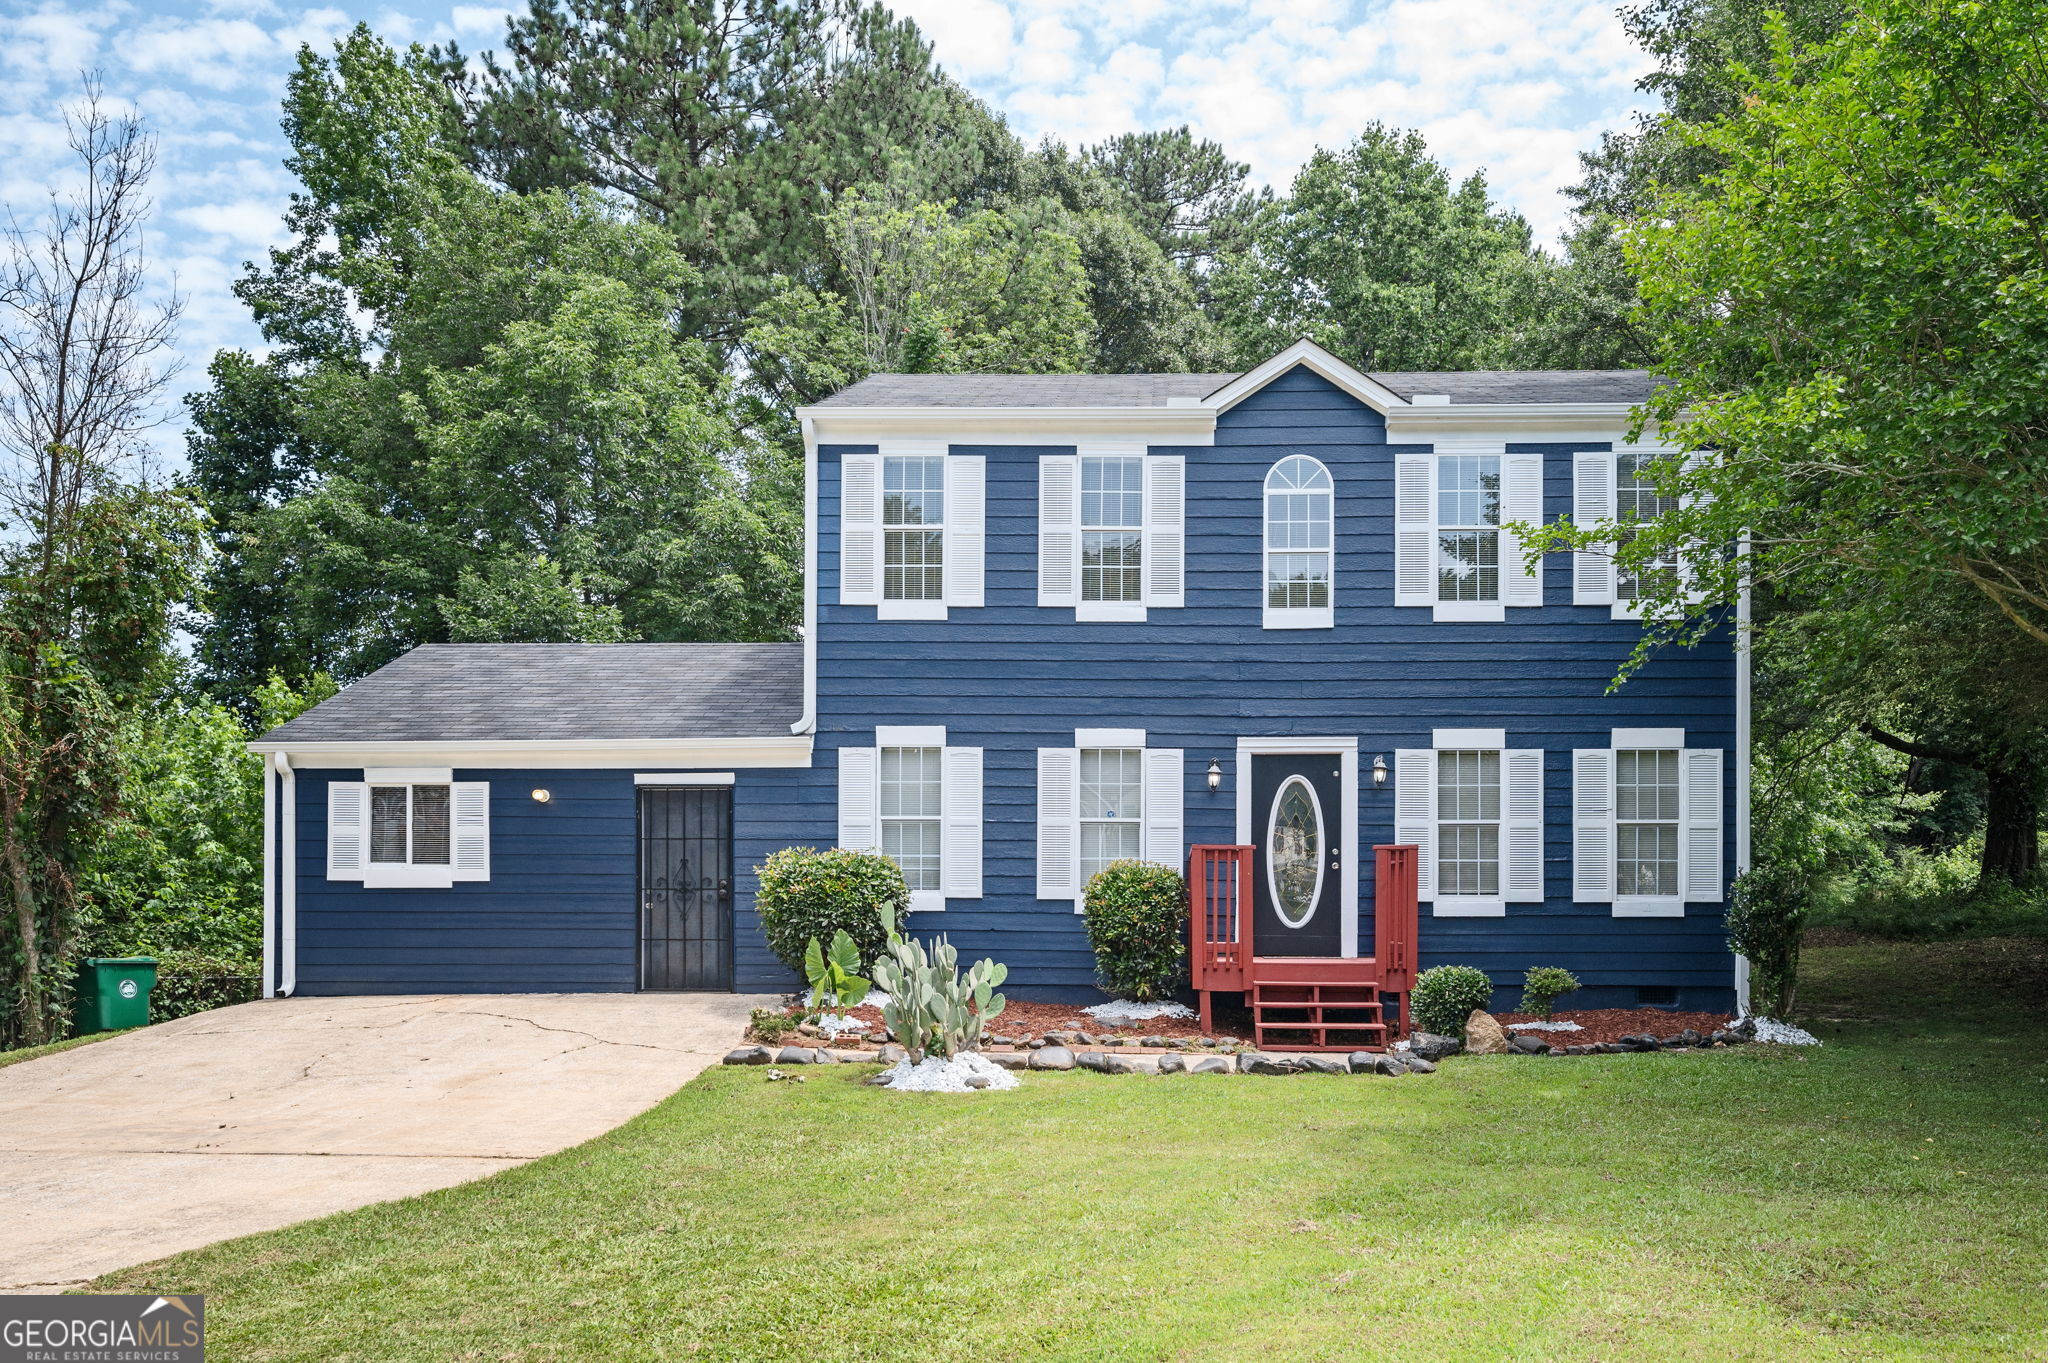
(1153, 390)
(511, 692)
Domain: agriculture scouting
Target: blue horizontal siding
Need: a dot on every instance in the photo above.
(1011, 677)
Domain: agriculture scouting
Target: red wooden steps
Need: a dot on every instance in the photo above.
(1304, 1003)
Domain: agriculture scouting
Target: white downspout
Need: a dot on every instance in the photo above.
(288, 873)
(1742, 704)
(809, 722)
(269, 881)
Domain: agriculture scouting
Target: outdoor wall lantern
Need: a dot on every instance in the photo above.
(1215, 774)
(1379, 770)
(541, 797)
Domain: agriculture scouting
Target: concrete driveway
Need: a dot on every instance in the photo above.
(253, 1117)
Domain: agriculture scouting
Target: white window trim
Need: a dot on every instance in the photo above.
(1617, 608)
(1644, 740)
(961, 830)
(1162, 824)
(1152, 533)
(1471, 740)
(465, 863)
(685, 778)
(963, 536)
(1294, 617)
(1514, 466)
(1347, 821)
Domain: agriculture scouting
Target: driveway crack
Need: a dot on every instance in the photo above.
(569, 1031)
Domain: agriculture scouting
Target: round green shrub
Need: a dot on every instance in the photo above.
(807, 892)
(1544, 985)
(1138, 927)
(1445, 995)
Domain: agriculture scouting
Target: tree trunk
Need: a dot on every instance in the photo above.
(2012, 827)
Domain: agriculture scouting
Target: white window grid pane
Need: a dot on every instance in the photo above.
(913, 490)
(1112, 565)
(1636, 501)
(910, 783)
(430, 827)
(1297, 581)
(1297, 520)
(913, 565)
(1468, 859)
(1467, 786)
(1112, 783)
(1104, 841)
(1112, 493)
(913, 844)
(1468, 565)
(1298, 471)
(1468, 490)
(1646, 785)
(1647, 859)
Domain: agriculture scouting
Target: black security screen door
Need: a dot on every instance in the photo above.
(686, 887)
(1297, 876)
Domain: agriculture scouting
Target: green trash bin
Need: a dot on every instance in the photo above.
(113, 993)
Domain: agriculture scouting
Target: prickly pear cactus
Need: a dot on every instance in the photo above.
(932, 1008)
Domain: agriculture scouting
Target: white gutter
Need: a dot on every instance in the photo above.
(808, 723)
(269, 881)
(288, 873)
(768, 750)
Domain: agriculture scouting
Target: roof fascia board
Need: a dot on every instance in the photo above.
(1165, 425)
(1516, 421)
(1358, 384)
(678, 754)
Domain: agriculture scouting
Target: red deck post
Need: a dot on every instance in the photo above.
(1219, 920)
(1396, 919)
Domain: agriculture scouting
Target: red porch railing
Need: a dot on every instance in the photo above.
(1219, 919)
(1394, 919)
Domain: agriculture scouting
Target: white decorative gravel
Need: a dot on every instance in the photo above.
(1117, 1012)
(831, 1024)
(935, 1074)
(1783, 1033)
(1545, 1027)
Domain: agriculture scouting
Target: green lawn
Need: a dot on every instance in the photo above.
(1885, 1197)
(15, 1057)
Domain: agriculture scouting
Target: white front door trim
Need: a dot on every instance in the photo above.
(1347, 821)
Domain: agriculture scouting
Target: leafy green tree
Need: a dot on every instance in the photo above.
(926, 292)
(1378, 258)
(731, 123)
(1850, 312)
(1185, 193)
(485, 419)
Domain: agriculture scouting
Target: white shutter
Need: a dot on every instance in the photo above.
(470, 846)
(1059, 530)
(1592, 504)
(960, 823)
(1521, 500)
(1414, 530)
(1523, 775)
(1059, 823)
(966, 530)
(1593, 825)
(1163, 791)
(1165, 557)
(860, 791)
(348, 829)
(1415, 813)
(1700, 795)
(860, 530)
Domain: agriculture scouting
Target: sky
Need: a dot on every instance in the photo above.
(1514, 87)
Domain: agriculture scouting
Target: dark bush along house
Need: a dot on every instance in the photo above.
(1057, 620)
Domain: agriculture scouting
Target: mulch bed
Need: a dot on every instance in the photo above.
(1612, 1024)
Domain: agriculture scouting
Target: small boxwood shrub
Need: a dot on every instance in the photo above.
(1445, 995)
(807, 893)
(1138, 927)
(1543, 986)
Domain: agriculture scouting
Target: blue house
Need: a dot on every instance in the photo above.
(1056, 620)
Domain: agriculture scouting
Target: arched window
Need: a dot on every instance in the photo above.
(1298, 544)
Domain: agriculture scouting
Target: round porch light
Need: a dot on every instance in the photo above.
(541, 797)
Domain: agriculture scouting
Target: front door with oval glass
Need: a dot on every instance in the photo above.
(1297, 823)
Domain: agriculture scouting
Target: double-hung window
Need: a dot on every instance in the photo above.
(408, 828)
(1112, 807)
(913, 528)
(910, 803)
(1468, 824)
(1473, 807)
(1112, 529)
(1637, 502)
(1455, 548)
(1298, 544)
(1468, 528)
(916, 799)
(1646, 824)
(1107, 798)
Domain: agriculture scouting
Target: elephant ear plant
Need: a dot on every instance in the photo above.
(933, 1009)
(836, 984)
